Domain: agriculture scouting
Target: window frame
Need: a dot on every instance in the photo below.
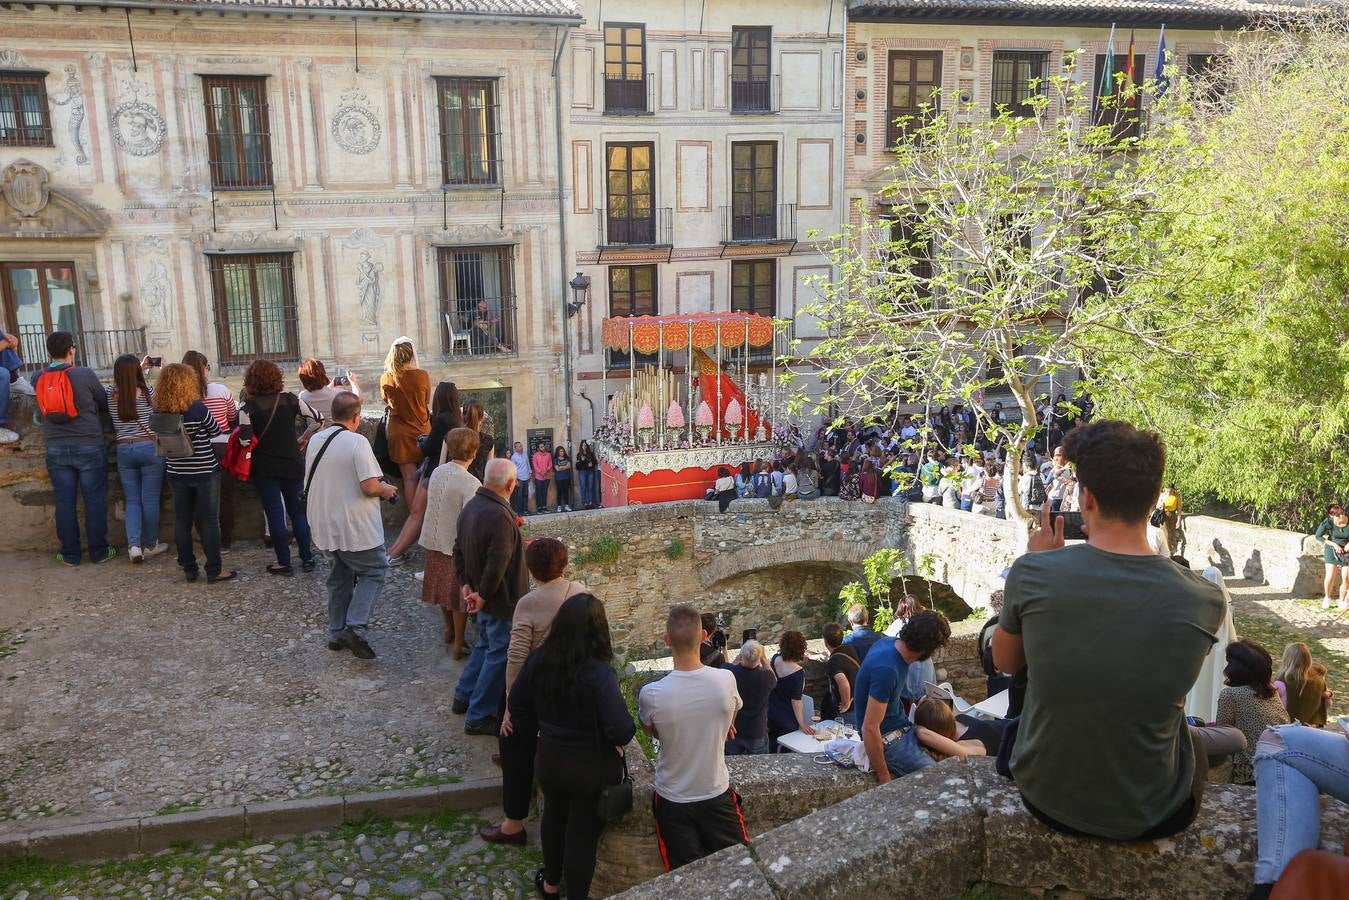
(1018, 94)
(507, 335)
(466, 87)
(226, 353)
(1125, 124)
(241, 166)
(621, 100)
(761, 226)
(648, 234)
(12, 82)
(34, 351)
(752, 99)
(754, 266)
(632, 292)
(893, 132)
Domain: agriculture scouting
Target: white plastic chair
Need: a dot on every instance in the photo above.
(456, 337)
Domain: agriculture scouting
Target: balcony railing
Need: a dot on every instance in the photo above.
(655, 230)
(629, 96)
(96, 349)
(479, 327)
(772, 226)
(755, 95)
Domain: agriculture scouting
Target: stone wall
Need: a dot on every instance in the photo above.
(966, 551)
(774, 790)
(1285, 560)
(958, 827)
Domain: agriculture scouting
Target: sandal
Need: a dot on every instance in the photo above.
(278, 569)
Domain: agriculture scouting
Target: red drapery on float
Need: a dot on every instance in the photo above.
(708, 376)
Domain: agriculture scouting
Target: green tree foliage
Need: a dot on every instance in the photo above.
(1002, 257)
(1260, 229)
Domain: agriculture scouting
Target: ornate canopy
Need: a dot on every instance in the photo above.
(649, 333)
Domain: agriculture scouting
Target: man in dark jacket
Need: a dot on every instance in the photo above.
(829, 474)
(77, 454)
(489, 561)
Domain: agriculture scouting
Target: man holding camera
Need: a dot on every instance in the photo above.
(1112, 637)
(343, 490)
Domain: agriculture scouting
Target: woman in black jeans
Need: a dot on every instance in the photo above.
(268, 420)
(569, 694)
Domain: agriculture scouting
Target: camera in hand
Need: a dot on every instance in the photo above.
(749, 634)
(156, 361)
(1072, 526)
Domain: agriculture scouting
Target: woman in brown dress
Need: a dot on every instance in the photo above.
(406, 390)
(450, 490)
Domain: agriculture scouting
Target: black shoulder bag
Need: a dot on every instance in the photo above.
(616, 799)
(309, 479)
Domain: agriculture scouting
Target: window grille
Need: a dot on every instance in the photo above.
(25, 120)
(478, 309)
(470, 136)
(238, 132)
(255, 312)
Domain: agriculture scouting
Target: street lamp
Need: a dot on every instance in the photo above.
(580, 286)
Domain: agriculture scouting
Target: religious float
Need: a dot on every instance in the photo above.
(702, 391)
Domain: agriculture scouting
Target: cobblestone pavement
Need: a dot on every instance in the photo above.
(435, 858)
(129, 690)
(1277, 619)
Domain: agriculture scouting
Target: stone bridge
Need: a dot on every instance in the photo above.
(764, 567)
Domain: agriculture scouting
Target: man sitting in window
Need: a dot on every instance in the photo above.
(1080, 619)
(486, 329)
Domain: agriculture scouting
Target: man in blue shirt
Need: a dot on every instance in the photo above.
(889, 737)
(861, 638)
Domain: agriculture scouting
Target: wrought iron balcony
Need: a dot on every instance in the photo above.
(776, 224)
(629, 96)
(96, 349)
(753, 96)
(654, 230)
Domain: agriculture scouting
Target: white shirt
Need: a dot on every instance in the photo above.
(692, 713)
(788, 483)
(522, 471)
(341, 516)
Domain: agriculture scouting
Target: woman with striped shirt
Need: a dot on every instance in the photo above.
(195, 480)
(140, 469)
(219, 401)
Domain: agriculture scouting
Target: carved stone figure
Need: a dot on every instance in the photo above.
(137, 127)
(75, 100)
(25, 187)
(369, 274)
(355, 127)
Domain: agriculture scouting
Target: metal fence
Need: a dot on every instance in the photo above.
(96, 349)
(753, 226)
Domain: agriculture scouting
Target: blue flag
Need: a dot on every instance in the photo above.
(1162, 81)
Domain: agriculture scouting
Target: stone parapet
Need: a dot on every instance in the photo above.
(953, 828)
(1285, 560)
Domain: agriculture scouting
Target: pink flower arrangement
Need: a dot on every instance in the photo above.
(702, 417)
(734, 416)
(674, 416)
(646, 418)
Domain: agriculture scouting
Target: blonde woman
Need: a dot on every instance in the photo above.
(1301, 686)
(195, 479)
(406, 389)
(754, 679)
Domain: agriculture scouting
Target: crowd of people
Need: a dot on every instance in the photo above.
(539, 677)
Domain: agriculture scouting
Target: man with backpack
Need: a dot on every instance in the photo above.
(72, 407)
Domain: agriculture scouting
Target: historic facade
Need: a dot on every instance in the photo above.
(705, 157)
(274, 179)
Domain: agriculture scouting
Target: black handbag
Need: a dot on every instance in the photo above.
(616, 799)
(1158, 517)
(381, 447)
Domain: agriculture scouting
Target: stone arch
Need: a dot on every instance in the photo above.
(935, 594)
(803, 550)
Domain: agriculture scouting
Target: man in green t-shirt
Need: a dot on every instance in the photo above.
(1112, 637)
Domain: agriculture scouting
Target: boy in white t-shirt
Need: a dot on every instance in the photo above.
(691, 711)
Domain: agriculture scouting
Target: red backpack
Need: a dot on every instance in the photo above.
(56, 396)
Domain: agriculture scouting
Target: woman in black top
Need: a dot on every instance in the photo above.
(754, 680)
(562, 478)
(268, 420)
(568, 693)
(587, 468)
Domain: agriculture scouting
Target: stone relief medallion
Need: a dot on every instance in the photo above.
(137, 127)
(355, 128)
(25, 187)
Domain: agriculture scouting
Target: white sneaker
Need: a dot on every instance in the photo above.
(420, 576)
(21, 386)
(156, 549)
(566, 509)
(1342, 605)
(134, 553)
(1325, 603)
(8, 437)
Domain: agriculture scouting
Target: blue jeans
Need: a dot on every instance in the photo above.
(520, 498)
(281, 496)
(9, 364)
(589, 497)
(80, 470)
(142, 474)
(906, 755)
(967, 504)
(747, 746)
(483, 683)
(354, 584)
(1288, 784)
(197, 502)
